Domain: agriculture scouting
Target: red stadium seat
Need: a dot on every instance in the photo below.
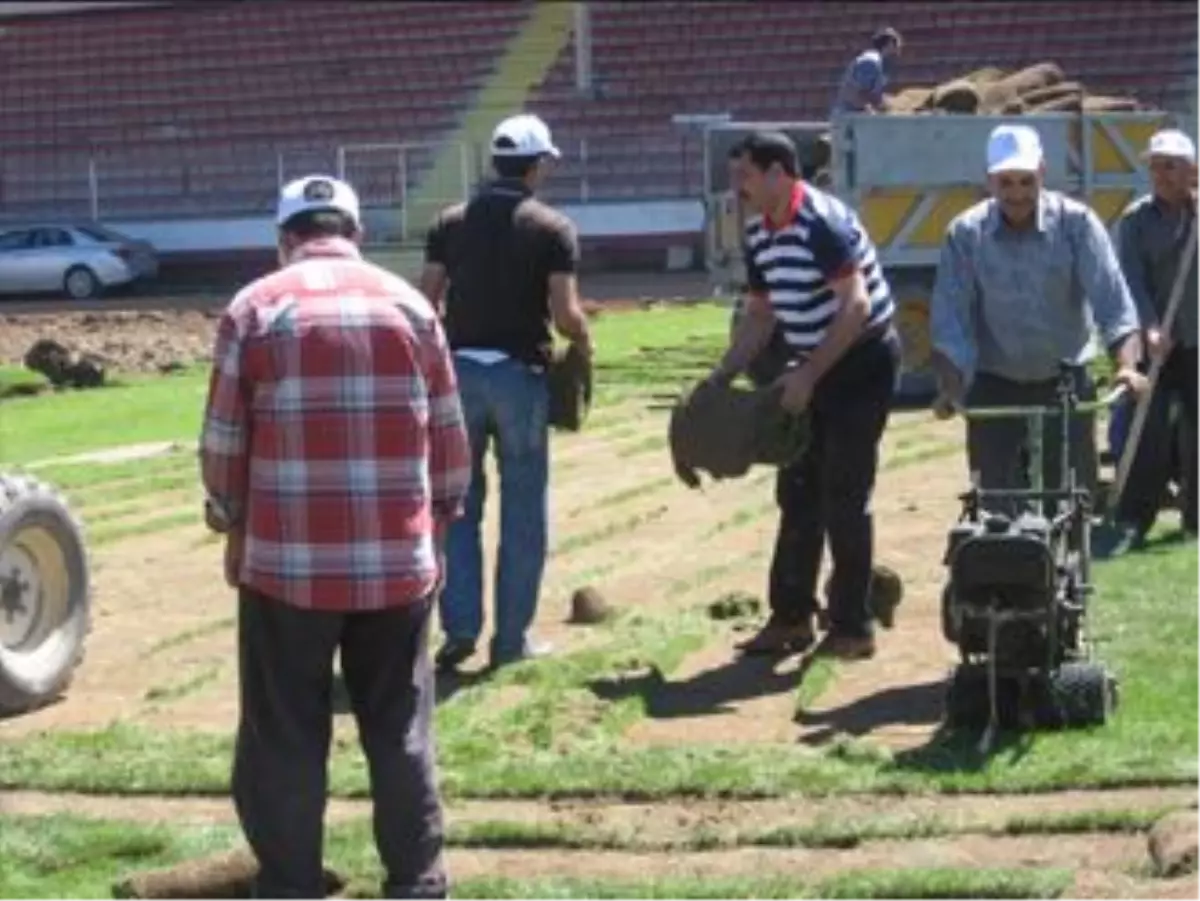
(241, 83)
(234, 75)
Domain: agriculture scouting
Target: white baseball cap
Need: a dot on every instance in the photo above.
(316, 192)
(528, 135)
(1014, 148)
(1173, 143)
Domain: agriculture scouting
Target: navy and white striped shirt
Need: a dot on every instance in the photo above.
(793, 264)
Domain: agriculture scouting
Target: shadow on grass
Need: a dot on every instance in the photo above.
(709, 692)
(951, 751)
(947, 751)
(448, 685)
(910, 705)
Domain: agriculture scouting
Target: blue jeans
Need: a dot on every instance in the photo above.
(509, 402)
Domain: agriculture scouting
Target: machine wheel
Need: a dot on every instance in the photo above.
(967, 705)
(949, 623)
(45, 599)
(1078, 694)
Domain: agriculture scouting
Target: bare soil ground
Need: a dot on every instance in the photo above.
(145, 334)
(141, 341)
(162, 652)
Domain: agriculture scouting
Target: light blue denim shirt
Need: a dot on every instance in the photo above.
(1015, 303)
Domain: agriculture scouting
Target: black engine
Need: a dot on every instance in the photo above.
(1017, 568)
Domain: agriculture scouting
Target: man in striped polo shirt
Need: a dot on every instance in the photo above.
(812, 274)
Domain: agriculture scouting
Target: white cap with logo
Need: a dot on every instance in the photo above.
(523, 135)
(1014, 148)
(316, 192)
(1172, 143)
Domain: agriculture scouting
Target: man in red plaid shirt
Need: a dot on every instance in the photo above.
(334, 455)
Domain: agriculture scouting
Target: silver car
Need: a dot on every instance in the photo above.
(80, 260)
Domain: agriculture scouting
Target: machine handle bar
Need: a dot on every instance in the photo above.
(1047, 410)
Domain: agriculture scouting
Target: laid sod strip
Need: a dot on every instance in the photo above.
(141, 504)
(72, 857)
(82, 479)
(143, 410)
(1150, 741)
(943, 883)
(17, 381)
(110, 533)
(140, 408)
(177, 691)
(190, 635)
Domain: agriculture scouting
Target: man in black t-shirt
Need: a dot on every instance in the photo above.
(501, 270)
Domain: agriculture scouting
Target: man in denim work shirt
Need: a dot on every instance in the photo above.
(1153, 234)
(861, 88)
(1020, 277)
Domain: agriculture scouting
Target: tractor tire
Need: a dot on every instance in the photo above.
(966, 701)
(1077, 695)
(45, 595)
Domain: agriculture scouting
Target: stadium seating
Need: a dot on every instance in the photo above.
(200, 108)
(204, 107)
(783, 61)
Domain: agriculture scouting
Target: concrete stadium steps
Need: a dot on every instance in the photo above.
(524, 63)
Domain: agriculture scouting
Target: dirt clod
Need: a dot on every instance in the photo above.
(1172, 844)
(589, 607)
(63, 367)
(734, 605)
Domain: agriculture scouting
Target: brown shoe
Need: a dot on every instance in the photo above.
(781, 637)
(847, 647)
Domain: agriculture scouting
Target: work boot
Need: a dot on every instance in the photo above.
(846, 647)
(454, 653)
(781, 636)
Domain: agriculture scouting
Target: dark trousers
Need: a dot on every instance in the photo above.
(998, 449)
(1151, 468)
(279, 774)
(828, 491)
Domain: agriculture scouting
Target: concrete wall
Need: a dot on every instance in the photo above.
(598, 223)
(615, 237)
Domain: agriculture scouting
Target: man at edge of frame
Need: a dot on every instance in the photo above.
(1153, 233)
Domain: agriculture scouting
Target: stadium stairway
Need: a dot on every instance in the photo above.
(523, 64)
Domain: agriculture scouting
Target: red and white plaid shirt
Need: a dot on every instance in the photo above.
(334, 433)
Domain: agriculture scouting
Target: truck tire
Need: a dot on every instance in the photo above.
(45, 595)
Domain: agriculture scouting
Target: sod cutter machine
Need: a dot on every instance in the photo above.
(1016, 599)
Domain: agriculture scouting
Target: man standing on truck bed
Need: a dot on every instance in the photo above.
(1152, 236)
(861, 88)
(1011, 303)
(812, 269)
(505, 263)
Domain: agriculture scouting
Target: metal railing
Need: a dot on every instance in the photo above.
(220, 180)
